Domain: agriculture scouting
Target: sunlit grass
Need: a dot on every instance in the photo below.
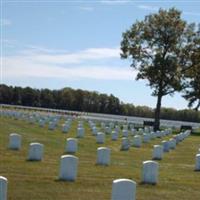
(39, 180)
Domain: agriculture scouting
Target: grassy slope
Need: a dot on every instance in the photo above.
(38, 180)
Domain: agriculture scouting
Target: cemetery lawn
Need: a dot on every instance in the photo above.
(39, 180)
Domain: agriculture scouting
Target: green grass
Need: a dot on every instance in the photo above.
(39, 180)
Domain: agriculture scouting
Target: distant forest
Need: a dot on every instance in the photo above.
(82, 100)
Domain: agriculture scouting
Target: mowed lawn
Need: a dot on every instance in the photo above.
(39, 180)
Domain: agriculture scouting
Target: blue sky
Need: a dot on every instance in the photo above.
(54, 44)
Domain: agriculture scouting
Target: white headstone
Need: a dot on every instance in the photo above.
(41, 123)
(80, 132)
(125, 126)
(117, 129)
(140, 131)
(111, 125)
(103, 125)
(114, 135)
(124, 133)
(35, 151)
(150, 172)
(94, 130)
(158, 134)
(197, 166)
(146, 129)
(152, 135)
(68, 168)
(172, 143)
(133, 131)
(108, 129)
(52, 125)
(71, 145)
(15, 141)
(157, 152)
(146, 137)
(123, 189)
(3, 188)
(65, 128)
(100, 138)
(165, 145)
(125, 144)
(103, 156)
(176, 137)
(137, 141)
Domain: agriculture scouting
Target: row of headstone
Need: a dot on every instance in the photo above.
(181, 136)
(145, 138)
(167, 145)
(41, 119)
(36, 149)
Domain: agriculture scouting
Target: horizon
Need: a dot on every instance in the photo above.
(76, 44)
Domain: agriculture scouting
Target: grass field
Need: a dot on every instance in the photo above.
(39, 180)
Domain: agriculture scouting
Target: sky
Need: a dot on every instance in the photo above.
(56, 44)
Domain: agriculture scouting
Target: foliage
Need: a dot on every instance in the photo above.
(192, 75)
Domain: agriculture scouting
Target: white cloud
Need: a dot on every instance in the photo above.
(48, 65)
(90, 54)
(5, 22)
(149, 8)
(84, 8)
(115, 2)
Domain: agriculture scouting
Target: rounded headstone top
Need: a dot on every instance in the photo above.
(123, 180)
(157, 145)
(149, 161)
(68, 139)
(100, 133)
(137, 136)
(3, 178)
(103, 148)
(68, 156)
(36, 143)
(12, 134)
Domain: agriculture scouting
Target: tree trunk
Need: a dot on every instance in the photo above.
(157, 113)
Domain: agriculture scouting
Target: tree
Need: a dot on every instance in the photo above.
(155, 46)
(6, 94)
(192, 75)
(30, 97)
(17, 96)
(46, 98)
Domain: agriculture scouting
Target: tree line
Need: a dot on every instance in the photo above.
(86, 101)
